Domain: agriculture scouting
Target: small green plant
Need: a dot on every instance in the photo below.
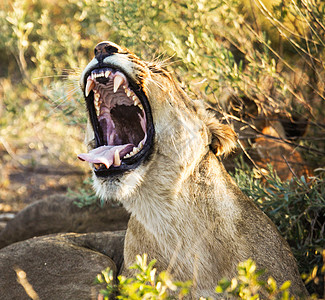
(248, 285)
(84, 196)
(146, 283)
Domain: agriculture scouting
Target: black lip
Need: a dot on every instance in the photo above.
(134, 161)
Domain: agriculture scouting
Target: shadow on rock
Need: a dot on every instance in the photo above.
(58, 214)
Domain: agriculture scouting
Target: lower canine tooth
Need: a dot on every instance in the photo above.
(117, 160)
(97, 166)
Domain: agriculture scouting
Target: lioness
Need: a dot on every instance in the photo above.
(155, 150)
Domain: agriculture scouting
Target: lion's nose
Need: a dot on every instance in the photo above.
(103, 50)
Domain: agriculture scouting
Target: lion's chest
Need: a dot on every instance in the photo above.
(193, 256)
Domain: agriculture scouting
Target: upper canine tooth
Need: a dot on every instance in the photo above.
(118, 80)
(89, 86)
(107, 73)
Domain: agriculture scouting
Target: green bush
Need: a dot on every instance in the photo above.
(297, 208)
(147, 284)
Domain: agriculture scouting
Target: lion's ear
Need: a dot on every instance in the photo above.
(223, 137)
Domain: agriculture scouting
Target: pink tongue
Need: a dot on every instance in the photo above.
(105, 154)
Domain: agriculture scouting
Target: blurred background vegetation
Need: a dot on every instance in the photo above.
(258, 65)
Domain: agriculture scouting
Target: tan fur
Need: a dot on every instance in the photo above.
(186, 211)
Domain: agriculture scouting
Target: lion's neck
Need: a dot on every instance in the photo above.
(168, 206)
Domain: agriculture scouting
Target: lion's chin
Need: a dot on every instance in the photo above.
(121, 187)
(121, 119)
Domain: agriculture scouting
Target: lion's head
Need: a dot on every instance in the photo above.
(142, 124)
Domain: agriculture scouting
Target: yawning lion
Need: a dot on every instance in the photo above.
(156, 151)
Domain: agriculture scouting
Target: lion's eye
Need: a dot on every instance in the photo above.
(105, 50)
(111, 49)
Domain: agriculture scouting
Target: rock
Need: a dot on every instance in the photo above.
(60, 266)
(58, 213)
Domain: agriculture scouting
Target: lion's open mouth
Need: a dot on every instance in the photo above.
(121, 119)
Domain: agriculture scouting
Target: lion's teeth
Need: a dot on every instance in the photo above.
(117, 160)
(140, 105)
(118, 80)
(136, 100)
(135, 150)
(107, 73)
(97, 103)
(97, 166)
(89, 86)
(97, 96)
(128, 92)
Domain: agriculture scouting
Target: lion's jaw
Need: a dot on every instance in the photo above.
(179, 141)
